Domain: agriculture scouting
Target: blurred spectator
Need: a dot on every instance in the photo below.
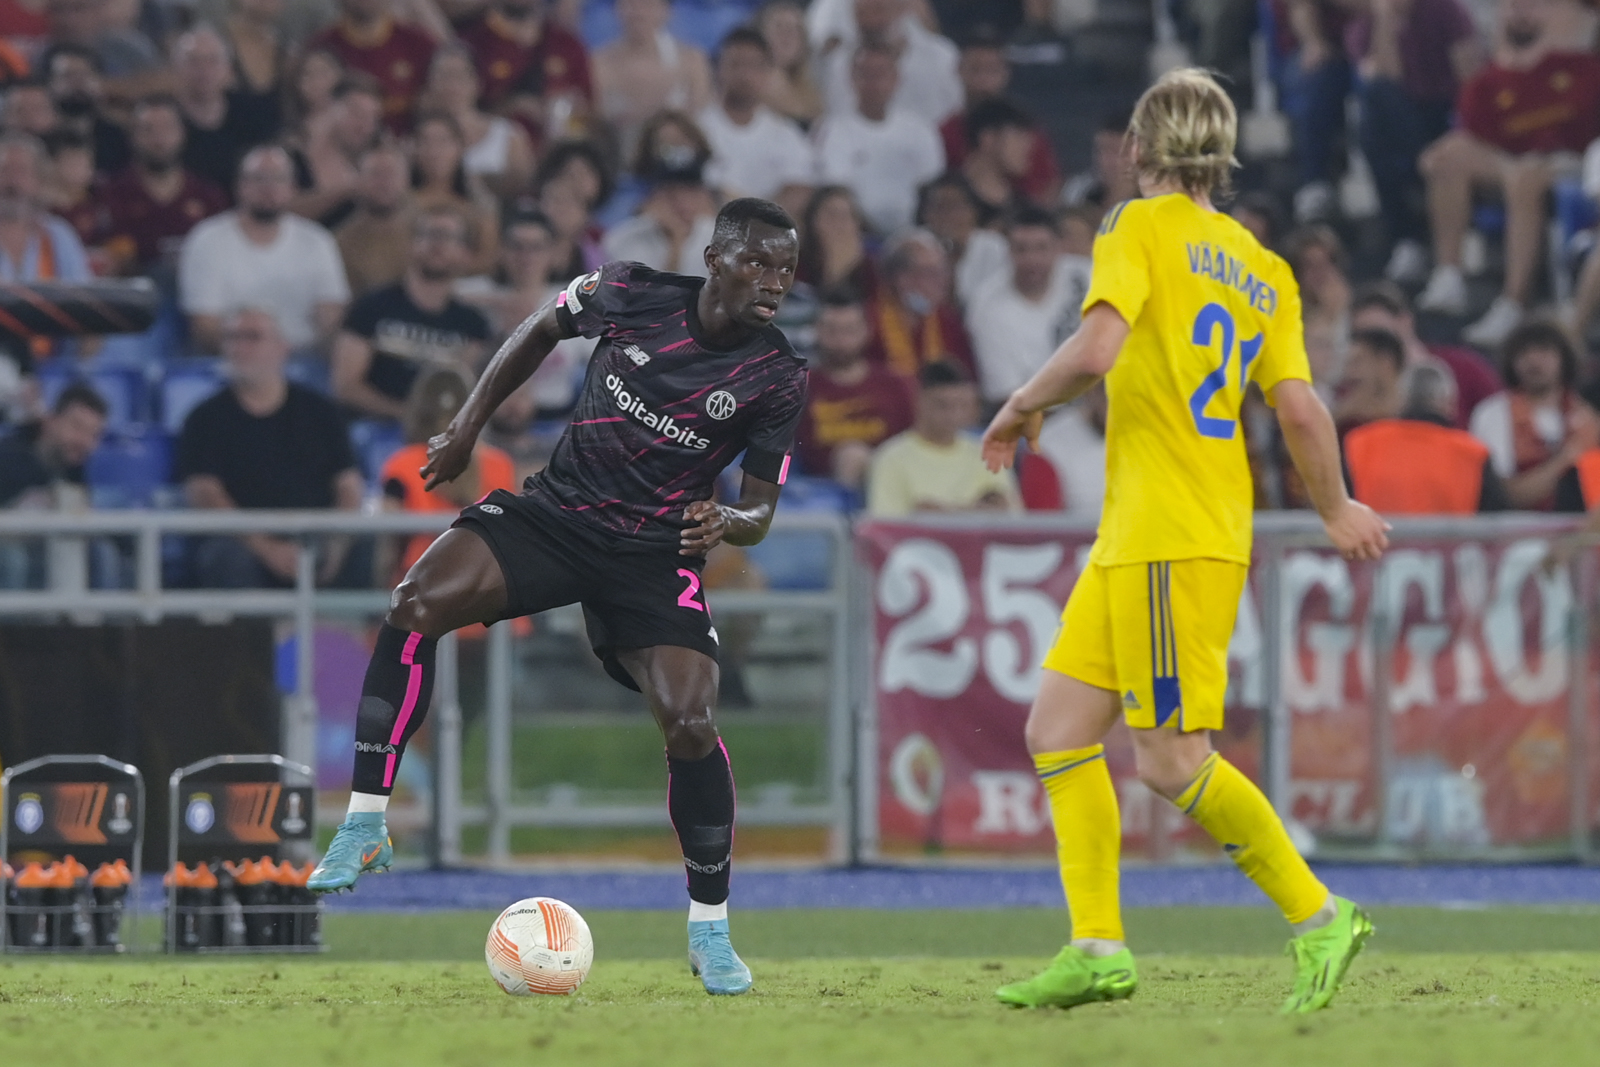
(999, 142)
(498, 152)
(438, 395)
(1073, 440)
(913, 320)
(222, 123)
(376, 239)
(253, 31)
(1413, 56)
(833, 249)
(532, 67)
(368, 37)
(1313, 78)
(646, 70)
(937, 465)
(154, 203)
(30, 109)
(14, 66)
(1218, 34)
(673, 225)
(1316, 255)
(124, 52)
(1369, 388)
(327, 152)
(793, 92)
(259, 255)
(1586, 301)
(853, 405)
(72, 73)
(41, 465)
(439, 177)
(927, 86)
(881, 154)
(392, 334)
(70, 190)
(1524, 120)
(1021, 316)
(34, 245)
(1109, 179)
(526, 248)
(1258, 212)
(1440, 470)
(1539, 427)
(754, 150)
(576, 252)
(1383, 306)
(266, 442)
(1079, 223)
(309, 91)
(948, 208)
(985, 75)
(578, 164)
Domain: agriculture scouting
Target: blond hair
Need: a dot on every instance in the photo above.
(1185, 128)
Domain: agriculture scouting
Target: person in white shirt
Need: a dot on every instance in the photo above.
(259, 255)
(1073, 441)
(1022, 315)
(754, 150)
(880, 153)
(929, 83)
(948, 208)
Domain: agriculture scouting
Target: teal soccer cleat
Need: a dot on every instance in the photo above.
(360, 845)
(713, 961)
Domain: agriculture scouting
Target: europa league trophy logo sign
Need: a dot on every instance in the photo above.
(293, 822)
(119, 823)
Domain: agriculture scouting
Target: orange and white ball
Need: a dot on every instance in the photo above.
(539, 945)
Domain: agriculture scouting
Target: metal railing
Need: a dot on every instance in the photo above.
(69, 595)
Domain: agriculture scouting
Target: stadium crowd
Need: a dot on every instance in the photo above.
(347, 204)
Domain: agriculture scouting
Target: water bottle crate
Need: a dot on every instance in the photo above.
(210, 929)
(63, 928)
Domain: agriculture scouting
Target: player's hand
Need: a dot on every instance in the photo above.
(449, 455)
(1358, 532)
(700, 539)
(1008, 426)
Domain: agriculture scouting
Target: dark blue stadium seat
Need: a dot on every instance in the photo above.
(185, 386)
(374, 441)
(702, 23)
(123, 389)
(130, 468)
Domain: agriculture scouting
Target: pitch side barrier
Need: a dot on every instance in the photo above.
(819, 611)
(1440, 704)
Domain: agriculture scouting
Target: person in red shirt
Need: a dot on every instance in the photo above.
(1525, 120)
(532, 68)
(852, 405)
(368, 38)
(155, 201)
(913, 319)
(985, 74)
(1383, 306)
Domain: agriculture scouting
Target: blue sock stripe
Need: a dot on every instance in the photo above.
(1064, 768)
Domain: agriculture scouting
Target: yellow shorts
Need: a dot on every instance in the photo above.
(1156, 633)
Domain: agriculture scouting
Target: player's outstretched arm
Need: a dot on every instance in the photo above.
(1081, 361)
(526, 348)
(1356, 530)
(744, 523)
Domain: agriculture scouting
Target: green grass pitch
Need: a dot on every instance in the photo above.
(1435, 989)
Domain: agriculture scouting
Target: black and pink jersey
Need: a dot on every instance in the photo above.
(662, 413)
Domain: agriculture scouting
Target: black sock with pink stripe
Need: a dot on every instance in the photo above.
(700, 801)
(394, 701)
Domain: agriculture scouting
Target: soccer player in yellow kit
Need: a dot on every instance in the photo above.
(1184, 310)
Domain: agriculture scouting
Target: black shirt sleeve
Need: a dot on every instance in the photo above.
(362, 317)
(1569, 494)
(199, 449)
(772, 436)
(588, 302)
(1492, 495)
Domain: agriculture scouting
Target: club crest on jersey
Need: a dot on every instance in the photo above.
(721, 404)
(639, 356)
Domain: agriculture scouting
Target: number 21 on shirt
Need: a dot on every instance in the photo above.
(1215, 320)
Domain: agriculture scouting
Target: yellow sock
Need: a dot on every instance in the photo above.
(1083, 807)
(1230, 808)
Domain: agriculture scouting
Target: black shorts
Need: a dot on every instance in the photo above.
(634, 594)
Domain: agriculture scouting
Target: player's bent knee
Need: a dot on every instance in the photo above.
(689, 733)
(1167, 760)
(415, 610)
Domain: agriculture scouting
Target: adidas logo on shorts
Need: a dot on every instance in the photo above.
(1130, 701)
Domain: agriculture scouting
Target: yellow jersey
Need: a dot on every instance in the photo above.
(1210, 311)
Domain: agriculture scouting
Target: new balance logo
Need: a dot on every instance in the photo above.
(1130, 701)
(382, 750)
(639, 356)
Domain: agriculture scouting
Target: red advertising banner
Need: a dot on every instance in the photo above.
(1472, 754)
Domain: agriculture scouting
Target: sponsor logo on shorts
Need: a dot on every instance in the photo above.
(1130, 701)
(721, 404)
(665, 425)
(491, 509)
(382, 750)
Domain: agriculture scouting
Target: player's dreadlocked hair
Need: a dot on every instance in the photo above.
(733, 221)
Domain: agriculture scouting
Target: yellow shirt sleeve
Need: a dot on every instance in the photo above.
(1120, 275)
(1283, 356)
(889, 491)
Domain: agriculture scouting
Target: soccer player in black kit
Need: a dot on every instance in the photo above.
(689, 373)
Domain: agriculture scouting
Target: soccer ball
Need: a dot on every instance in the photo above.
(539, 945)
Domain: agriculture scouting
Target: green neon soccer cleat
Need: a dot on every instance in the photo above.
(1074, 978)
(713, 961)
(1322, 956)
(360, 845)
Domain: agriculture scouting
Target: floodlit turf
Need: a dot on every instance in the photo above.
(923, 997)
